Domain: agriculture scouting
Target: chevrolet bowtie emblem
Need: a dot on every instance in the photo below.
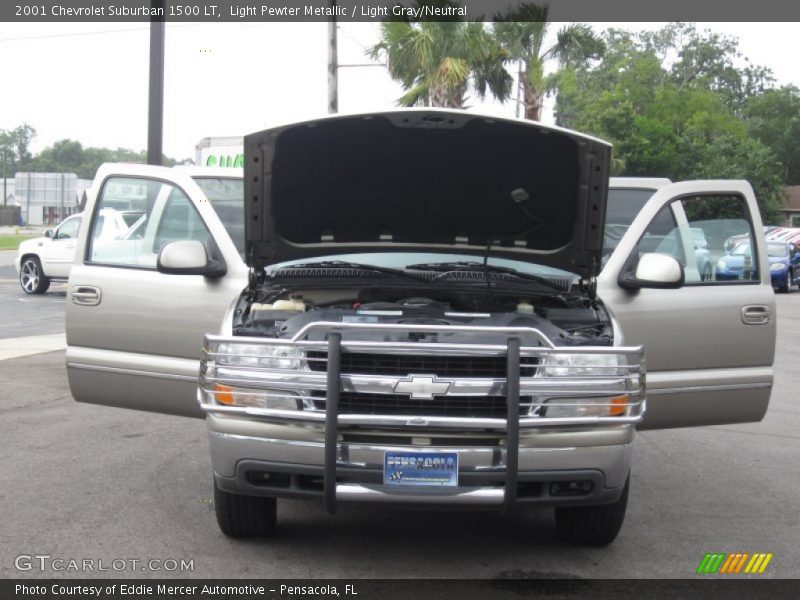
(422, 387)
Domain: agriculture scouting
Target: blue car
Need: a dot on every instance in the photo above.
(784, 264)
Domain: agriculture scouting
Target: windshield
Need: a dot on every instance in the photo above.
(400, 260)
(226, 195)
(777, 250)
(742, 250)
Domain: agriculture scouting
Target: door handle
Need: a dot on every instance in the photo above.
(86, 295)
(756, 314)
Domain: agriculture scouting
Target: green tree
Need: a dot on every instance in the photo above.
(71, 157)
(439, 62)
(63, 156)
(773, 118)
(522, 30)
(668, 120)
(21, 138)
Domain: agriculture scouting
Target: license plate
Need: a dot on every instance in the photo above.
(428, 469)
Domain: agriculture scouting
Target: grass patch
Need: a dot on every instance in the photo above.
(12, 242)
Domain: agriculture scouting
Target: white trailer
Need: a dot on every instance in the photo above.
(220, 152)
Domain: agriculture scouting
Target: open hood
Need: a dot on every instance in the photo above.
(426, 181)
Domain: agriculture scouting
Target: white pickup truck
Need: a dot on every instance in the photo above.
(422, 308)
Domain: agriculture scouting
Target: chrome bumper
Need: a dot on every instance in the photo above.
(542, 460)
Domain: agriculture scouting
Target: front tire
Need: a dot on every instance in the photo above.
(241, 516)
(592, 525)
(786, 286)
(31, 276)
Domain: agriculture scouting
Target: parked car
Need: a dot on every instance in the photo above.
(784, 264)
(744, 237)
(42, 260)
(422, 317)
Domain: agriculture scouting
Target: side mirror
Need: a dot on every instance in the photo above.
(188, 257)
(48, 233)
(653, 270)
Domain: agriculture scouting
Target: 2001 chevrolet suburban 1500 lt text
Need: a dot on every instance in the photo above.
(421, 308)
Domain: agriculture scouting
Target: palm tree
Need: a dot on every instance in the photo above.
(438, 62)
(521, 31)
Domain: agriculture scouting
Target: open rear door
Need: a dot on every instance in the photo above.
(710, 344)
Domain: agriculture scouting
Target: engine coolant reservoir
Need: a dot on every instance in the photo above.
(293, 303)
(525, 308)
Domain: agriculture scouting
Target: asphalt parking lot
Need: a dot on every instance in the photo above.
(86, 482)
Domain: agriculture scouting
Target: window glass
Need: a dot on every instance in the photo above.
(623, 206)
(68, 229)
(711, 236)
(147, 215)
(226, 195)
(179, 221)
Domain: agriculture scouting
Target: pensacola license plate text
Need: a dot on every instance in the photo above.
(429, 469)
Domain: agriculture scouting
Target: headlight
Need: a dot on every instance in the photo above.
(256, 355)
(238, 396)
(565, 408)
(722, 265)
(777, 267)
(565, 365)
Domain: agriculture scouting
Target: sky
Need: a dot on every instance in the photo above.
(88, 81)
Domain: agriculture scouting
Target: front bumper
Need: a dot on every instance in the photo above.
(245, 461)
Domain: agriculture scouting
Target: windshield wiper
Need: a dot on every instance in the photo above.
(341, 264)
(449, 267)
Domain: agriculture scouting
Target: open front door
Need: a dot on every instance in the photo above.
(710, 344)
(134, 333)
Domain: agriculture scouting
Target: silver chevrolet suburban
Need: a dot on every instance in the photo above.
(421, 309)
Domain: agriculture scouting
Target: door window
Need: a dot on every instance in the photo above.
(165, 214)
(711, 236)
(179, 221)
(68, 229)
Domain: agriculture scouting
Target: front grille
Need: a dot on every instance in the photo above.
(439, 406)
(402, 365)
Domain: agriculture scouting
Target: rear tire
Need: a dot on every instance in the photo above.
(32, 279)
(708, 273)
(241, 516)
(592, 525)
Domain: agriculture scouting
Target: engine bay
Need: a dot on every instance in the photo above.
(567, 320)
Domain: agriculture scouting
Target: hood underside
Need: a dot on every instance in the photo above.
(426, 181)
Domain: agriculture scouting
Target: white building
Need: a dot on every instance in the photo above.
(47, 198)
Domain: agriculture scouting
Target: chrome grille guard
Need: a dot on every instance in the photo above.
(625, 379)
(547, 383)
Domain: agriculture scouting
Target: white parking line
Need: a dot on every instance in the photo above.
(34, 344)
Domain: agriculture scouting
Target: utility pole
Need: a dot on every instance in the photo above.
(333, 65)
(5, 193)
(155, 114)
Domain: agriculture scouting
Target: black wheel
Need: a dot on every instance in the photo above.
(31, 277)
(708, 273)
(786, 286)
(245, 516)
(592, 525)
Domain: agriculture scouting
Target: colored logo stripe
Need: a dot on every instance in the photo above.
(711, 562)
(734, 563)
